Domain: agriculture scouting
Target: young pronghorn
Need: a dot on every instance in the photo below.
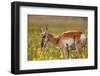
(65, 41)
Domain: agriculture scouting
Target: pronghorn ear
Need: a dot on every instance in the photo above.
(46, 28)
(41, 30)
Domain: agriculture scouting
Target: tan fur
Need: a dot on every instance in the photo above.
(58, 40)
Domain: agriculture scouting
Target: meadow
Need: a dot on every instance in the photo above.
(56, 26)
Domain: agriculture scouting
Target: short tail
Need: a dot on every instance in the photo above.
(83, 39)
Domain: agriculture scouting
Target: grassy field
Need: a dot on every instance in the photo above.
(56, 25)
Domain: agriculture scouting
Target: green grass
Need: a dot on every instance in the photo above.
(56, 25)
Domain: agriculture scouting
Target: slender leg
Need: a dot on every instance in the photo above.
(43, 49)
(66, 52)
(43, 53)
(78, 47)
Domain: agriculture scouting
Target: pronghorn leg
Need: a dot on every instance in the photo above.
(43, 53)
(43, 50)
(66, 52)
(78, 47)
(84, 46)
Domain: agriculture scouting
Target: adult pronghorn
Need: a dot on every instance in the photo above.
(65, 41)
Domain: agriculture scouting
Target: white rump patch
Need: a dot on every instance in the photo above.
(83, 38)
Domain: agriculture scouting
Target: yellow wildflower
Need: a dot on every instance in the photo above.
(34, 48)
(61, 56)
(50, 58)
(34, 58)
(39, 49)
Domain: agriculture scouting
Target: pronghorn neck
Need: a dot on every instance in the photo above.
(52, 39)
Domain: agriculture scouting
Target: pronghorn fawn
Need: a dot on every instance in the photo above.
(66, 41)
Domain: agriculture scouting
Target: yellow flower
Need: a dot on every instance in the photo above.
(45, 52)
(39, 49)
(50, 58)
(61, 56)
(45, 48)
(40, 58)
(34, 58)
(50, 50)
(39, 53)
(83, 55)
(34, 48)
(46, 58)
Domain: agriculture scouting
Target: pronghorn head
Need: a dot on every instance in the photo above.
(44, 34)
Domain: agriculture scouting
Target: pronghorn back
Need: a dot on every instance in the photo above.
(70, 38)
(72, 34)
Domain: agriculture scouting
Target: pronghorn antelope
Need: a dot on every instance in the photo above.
(66, 41)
